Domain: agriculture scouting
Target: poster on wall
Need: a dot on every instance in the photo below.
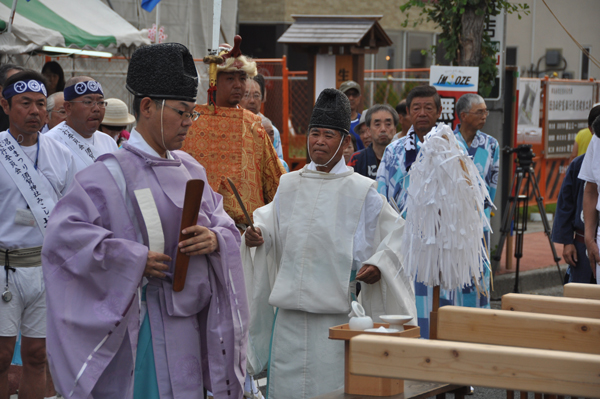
(451, 83)
(528, 122)
(568, 105)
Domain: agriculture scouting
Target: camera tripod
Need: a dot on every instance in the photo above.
(523, 173)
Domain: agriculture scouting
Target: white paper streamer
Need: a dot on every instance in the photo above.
(445, 214)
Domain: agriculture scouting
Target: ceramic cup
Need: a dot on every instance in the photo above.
(358, 320)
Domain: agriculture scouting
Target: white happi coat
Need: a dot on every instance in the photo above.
(319, 230)
(85, 151)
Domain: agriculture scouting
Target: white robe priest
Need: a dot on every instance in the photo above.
(318, 232)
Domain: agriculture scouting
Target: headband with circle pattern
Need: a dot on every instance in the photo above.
(83, 88)
(23, 86)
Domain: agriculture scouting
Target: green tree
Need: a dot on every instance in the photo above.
(463, 37)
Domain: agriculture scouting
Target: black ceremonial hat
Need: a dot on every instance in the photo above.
(332, 111)
(163, 71)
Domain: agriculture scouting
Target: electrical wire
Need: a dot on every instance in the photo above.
(591, 58)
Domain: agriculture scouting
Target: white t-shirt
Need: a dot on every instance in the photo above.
(101, 142)
(590, 168)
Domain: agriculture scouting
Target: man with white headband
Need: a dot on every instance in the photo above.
(35, 172)
(85, 107)
(326, 228)
(116, 327)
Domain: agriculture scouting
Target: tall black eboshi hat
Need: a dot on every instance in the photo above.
(163, 71)
(332, 111)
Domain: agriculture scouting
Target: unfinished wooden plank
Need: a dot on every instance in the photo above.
(585, 291)
(528, 330)
(505, 367)
(574, 307)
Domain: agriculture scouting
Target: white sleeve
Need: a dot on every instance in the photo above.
(366, 230)
(587, 167)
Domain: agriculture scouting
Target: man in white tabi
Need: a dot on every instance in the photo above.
(85, 107)
(35, 172)
(326, 228)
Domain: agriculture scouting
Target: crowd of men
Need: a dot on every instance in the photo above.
(92, 231)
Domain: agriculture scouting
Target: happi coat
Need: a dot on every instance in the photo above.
(85, 150)
(232, 143)
(319, 231)
(94, 258)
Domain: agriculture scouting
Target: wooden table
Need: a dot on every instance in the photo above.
(412, 390)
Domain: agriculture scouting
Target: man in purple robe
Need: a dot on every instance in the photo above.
(116, 328)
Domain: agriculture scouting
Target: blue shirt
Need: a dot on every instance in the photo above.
(485, 152)
(359, 143)
(392, 177)
(365, 162)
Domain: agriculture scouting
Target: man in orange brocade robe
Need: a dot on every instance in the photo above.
(231, 142)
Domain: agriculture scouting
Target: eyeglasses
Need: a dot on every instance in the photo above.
(62, 112)
(481, 112)
(184, 114)
(90, 103)
(255, 96)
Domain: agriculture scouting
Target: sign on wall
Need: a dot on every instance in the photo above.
(568, 105)
(528, 123)
(451, 83)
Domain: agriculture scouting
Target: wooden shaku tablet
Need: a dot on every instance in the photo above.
(191, 207)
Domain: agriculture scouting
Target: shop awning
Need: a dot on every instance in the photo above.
(85, 24)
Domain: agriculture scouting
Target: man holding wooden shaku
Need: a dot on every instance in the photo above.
(117, 328)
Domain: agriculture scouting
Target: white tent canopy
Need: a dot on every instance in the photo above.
(188, 22)
(85, 24)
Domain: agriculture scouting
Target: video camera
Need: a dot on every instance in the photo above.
(524, 153)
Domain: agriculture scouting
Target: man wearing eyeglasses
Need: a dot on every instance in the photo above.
(85, 106)
(485, 152)
(56, 111)
(116, 327)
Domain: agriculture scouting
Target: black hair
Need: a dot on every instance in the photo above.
(381, 107)
(26, 74)
(424, 91)
(260, 79)
(4, 70)
(596, 126)
(401, 108)
(55, 68)
(594, 113)
(137, 102)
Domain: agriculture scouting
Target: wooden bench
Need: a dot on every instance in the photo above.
(506, 367)
(575, 307)
(528, 330)
(584, 291)
(494, 348)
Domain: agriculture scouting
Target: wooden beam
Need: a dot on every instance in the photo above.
(527, 330)
(574, 307)
(585, 291)
(523, 369)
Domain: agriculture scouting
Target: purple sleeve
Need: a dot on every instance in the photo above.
(92, 267)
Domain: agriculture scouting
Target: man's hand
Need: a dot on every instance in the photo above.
(254, 238)
(369, 274)
(570, 254)
(155, 266)
(593, 253)
(204, 241)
